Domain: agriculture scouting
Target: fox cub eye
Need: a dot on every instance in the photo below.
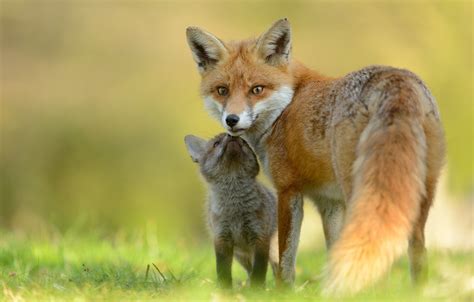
(221, 90)
(216, 143)
(257, 89)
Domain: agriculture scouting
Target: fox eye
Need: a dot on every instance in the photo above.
(221, 90)
(257, 89)
(216, 144)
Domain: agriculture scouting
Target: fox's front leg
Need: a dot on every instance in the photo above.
(290, 216)
(224, 250)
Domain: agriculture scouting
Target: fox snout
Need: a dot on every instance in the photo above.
(237, 123)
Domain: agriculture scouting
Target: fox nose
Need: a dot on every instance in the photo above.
(232, 120)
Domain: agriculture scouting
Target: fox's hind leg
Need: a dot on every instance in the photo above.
(416, 244)
(260, 263)
(435, 160)
(345, 137)
(332, 215)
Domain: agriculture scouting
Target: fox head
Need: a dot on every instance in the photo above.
(246, 84)
(222, 158)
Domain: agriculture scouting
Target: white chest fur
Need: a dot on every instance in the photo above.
(258, 145)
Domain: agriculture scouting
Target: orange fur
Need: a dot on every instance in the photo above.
(375, 135)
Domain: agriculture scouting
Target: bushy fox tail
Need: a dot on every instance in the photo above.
(389, 175)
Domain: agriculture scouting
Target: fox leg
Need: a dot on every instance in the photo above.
(416, 244)
(290, 216)
(332, 214)
(260, 263)
(224, 250)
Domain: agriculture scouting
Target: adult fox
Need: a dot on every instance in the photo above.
(367, 148)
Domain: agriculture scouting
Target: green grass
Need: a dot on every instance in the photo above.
(79, 267)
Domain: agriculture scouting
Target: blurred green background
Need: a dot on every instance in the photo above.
(96, 97)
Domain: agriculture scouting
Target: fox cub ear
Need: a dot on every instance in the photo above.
(206, 48)
(196, 147)
(274, 46)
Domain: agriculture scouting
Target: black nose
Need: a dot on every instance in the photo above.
(232, 120)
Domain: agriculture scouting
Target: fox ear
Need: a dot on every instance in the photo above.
(196, 147)
(206, 48)
(275, 45)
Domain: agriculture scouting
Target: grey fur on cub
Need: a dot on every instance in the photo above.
(241, 211)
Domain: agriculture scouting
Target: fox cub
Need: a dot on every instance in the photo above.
(241, 211)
